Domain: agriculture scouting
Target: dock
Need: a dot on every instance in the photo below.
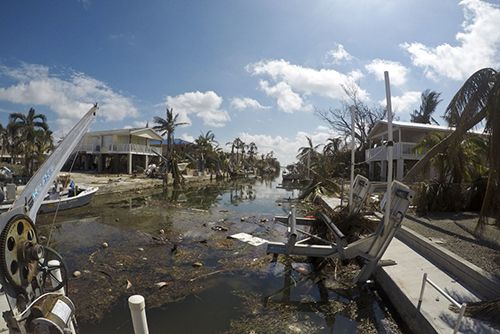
(402, 283)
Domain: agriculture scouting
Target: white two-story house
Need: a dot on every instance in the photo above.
(406, 135)
(117, 151)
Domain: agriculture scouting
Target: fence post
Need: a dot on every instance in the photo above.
(137, 307)
(459, 319)
(424, 280)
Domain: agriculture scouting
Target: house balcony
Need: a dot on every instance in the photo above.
(119, 149)
(402, 150)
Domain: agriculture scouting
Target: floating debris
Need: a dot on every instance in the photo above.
(161, 284)
(129, 285)
(140, 249)
(197, 264)
(77, 273)
(249, 239)
(105, 245)
(220, 228)
(198, 210)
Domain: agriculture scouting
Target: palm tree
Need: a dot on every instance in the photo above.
(237, 144)
(307, 153)
(205, 144)
(167, 127)
(28, 127)
(43, 144)
(430, 100)
(252, 151)
(477, 100)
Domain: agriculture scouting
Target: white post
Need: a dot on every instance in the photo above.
(137, 306)
(56, 277)
(353, 157)
(390, 145)
(55, 280)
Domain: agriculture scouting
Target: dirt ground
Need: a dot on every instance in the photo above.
(454, 232)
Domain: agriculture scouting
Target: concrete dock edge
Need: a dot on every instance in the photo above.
(412, 317)
(476, 279)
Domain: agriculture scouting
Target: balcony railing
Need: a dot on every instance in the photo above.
(119, 149)
(402, 150)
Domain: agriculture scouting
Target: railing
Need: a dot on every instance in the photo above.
(402, 150)
(447, 296)
(119, 148)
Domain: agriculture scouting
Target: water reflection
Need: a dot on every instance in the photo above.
(236, 287)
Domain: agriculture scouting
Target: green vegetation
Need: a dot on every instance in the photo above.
(205, 154)
(27, 139)
(476, 102)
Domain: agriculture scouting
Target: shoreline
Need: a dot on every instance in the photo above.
(117, 183)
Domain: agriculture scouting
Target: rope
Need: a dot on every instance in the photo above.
(57, 207)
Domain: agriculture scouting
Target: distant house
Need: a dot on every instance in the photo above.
(406, 136)
(117, 151)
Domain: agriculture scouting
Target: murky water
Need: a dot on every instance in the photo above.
(157, 237)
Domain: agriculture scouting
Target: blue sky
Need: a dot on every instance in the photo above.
(253, 69)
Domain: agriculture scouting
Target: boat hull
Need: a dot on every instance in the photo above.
(64, 203)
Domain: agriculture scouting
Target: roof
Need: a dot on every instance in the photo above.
(381, 127)
(177, 141)
(139, 132)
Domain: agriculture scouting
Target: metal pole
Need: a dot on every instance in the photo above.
(137, 306)
(424, 280)
(460, 316)
(390, 144)
(353, 157)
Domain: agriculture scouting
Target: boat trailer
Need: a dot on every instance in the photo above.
(369, 249)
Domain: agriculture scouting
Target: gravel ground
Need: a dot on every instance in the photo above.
(445, 229)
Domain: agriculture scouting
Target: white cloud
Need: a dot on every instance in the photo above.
(478, 45)
(286, 148)
(294, 83)
(242, 103)
(204, 105)
(286, 98)
(397, 72)
(337, 55)
(68, 97)
(186, 137)
(405, 104)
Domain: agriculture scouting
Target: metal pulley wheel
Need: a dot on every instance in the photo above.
(20, 252)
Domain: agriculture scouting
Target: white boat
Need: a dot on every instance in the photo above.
(63, 202)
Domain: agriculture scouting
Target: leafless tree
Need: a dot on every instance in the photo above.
(339, 119)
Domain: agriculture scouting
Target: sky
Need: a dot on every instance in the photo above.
(256, 69)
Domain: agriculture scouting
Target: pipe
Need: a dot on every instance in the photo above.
(353, 156)
(137, 306)
(390, 144)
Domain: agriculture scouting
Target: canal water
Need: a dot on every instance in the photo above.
(173, 248)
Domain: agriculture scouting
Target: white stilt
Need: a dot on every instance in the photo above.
(56, 277)
(137, 306)
(390, 146)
